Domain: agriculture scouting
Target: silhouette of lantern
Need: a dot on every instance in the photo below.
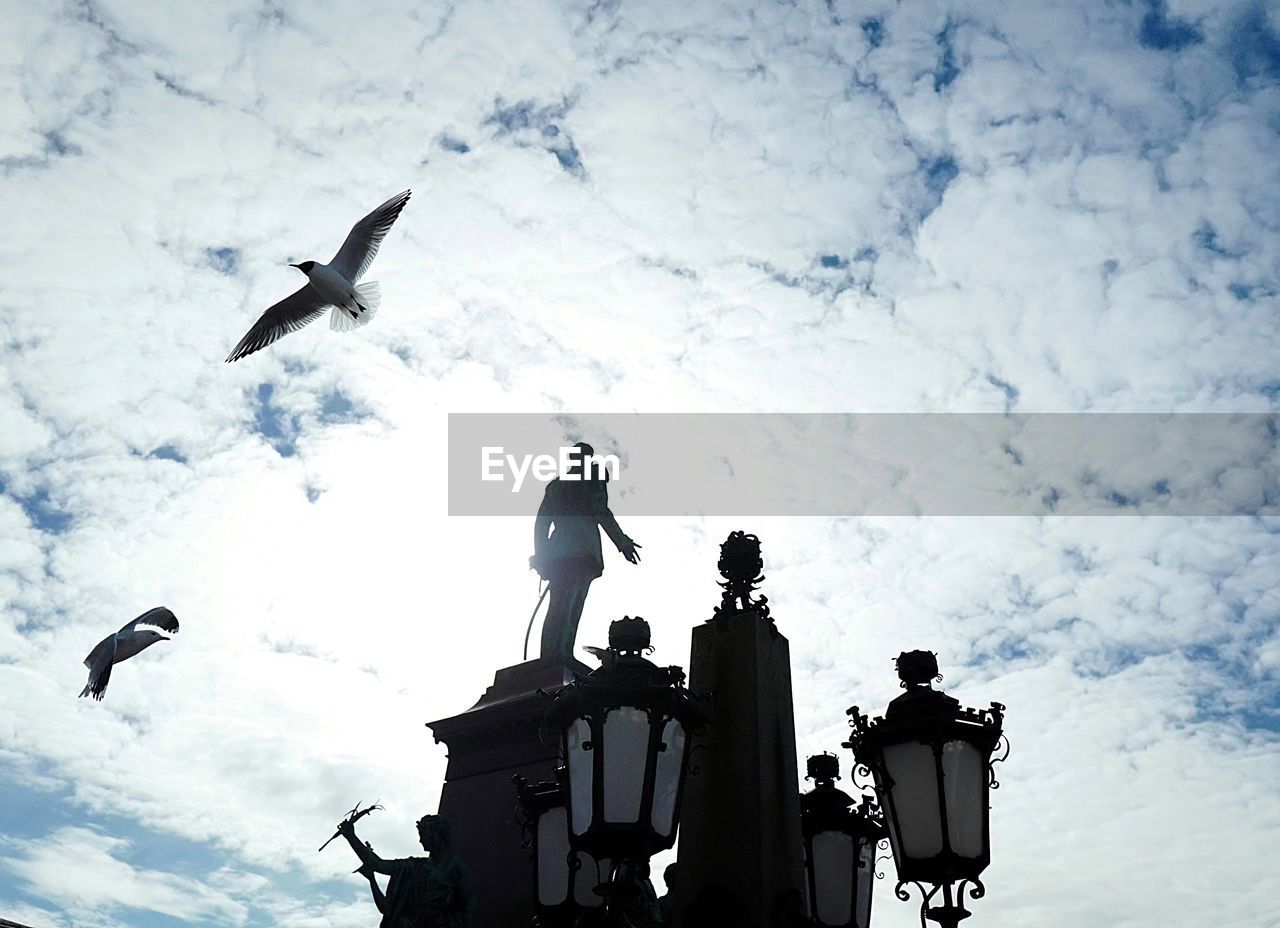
(932, 767)
(564, 880)
(839, 849)
(625, 736)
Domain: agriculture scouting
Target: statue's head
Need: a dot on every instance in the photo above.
(582, 453)
(669, 876)
(433, 832)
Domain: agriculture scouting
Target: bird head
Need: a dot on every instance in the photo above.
(154, 635)
(305, 266)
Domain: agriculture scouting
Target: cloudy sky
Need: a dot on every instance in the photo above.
(618, 207)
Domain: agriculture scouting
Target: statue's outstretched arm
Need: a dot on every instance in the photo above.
(600, 509)
(367, 857)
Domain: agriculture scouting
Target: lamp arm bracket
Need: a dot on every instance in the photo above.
(991, 769)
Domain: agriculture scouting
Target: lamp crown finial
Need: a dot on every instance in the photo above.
(823, 769)
(629, 636)
(917, 668)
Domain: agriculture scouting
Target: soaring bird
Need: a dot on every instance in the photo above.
(123, 644)
(335, 284)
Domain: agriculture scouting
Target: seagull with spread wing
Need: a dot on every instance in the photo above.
(335, 285)
(123, 645)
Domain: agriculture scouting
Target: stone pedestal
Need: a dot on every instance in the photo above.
(740, 853)
(488, 744)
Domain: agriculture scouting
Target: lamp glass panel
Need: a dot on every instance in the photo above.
(832, 876)
(891, 823)
(965, 784)
(915, 799)
(666, 781)
(581, 775)
(553, 856)
(866, 880)
(626, 746)
(591, 873)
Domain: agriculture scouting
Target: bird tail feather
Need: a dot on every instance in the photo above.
(369, 296)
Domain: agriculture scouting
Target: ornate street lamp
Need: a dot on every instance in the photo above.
(839, 849)
(625, 736)
(564, 881)
(932, 766)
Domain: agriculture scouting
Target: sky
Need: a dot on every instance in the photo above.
(618, 207)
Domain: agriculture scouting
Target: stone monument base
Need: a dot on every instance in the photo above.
(488, 744)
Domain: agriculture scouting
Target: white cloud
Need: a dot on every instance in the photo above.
(80, 870)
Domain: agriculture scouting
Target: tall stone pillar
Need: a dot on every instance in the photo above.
(740, 859)
(488, 744)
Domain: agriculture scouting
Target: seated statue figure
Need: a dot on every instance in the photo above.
(422, 892)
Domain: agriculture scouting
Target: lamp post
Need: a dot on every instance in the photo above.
(931, 764)
(564, 880)
(624, 735)
(839, 849)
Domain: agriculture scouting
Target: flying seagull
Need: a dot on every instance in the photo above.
(335, 284)
(123, 644)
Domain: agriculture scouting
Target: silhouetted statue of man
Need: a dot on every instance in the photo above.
(569, 557)
(434, 892)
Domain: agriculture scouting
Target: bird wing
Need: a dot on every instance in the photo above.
(99, 663)
(357, 252)
(160, 617)
(289, 315)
